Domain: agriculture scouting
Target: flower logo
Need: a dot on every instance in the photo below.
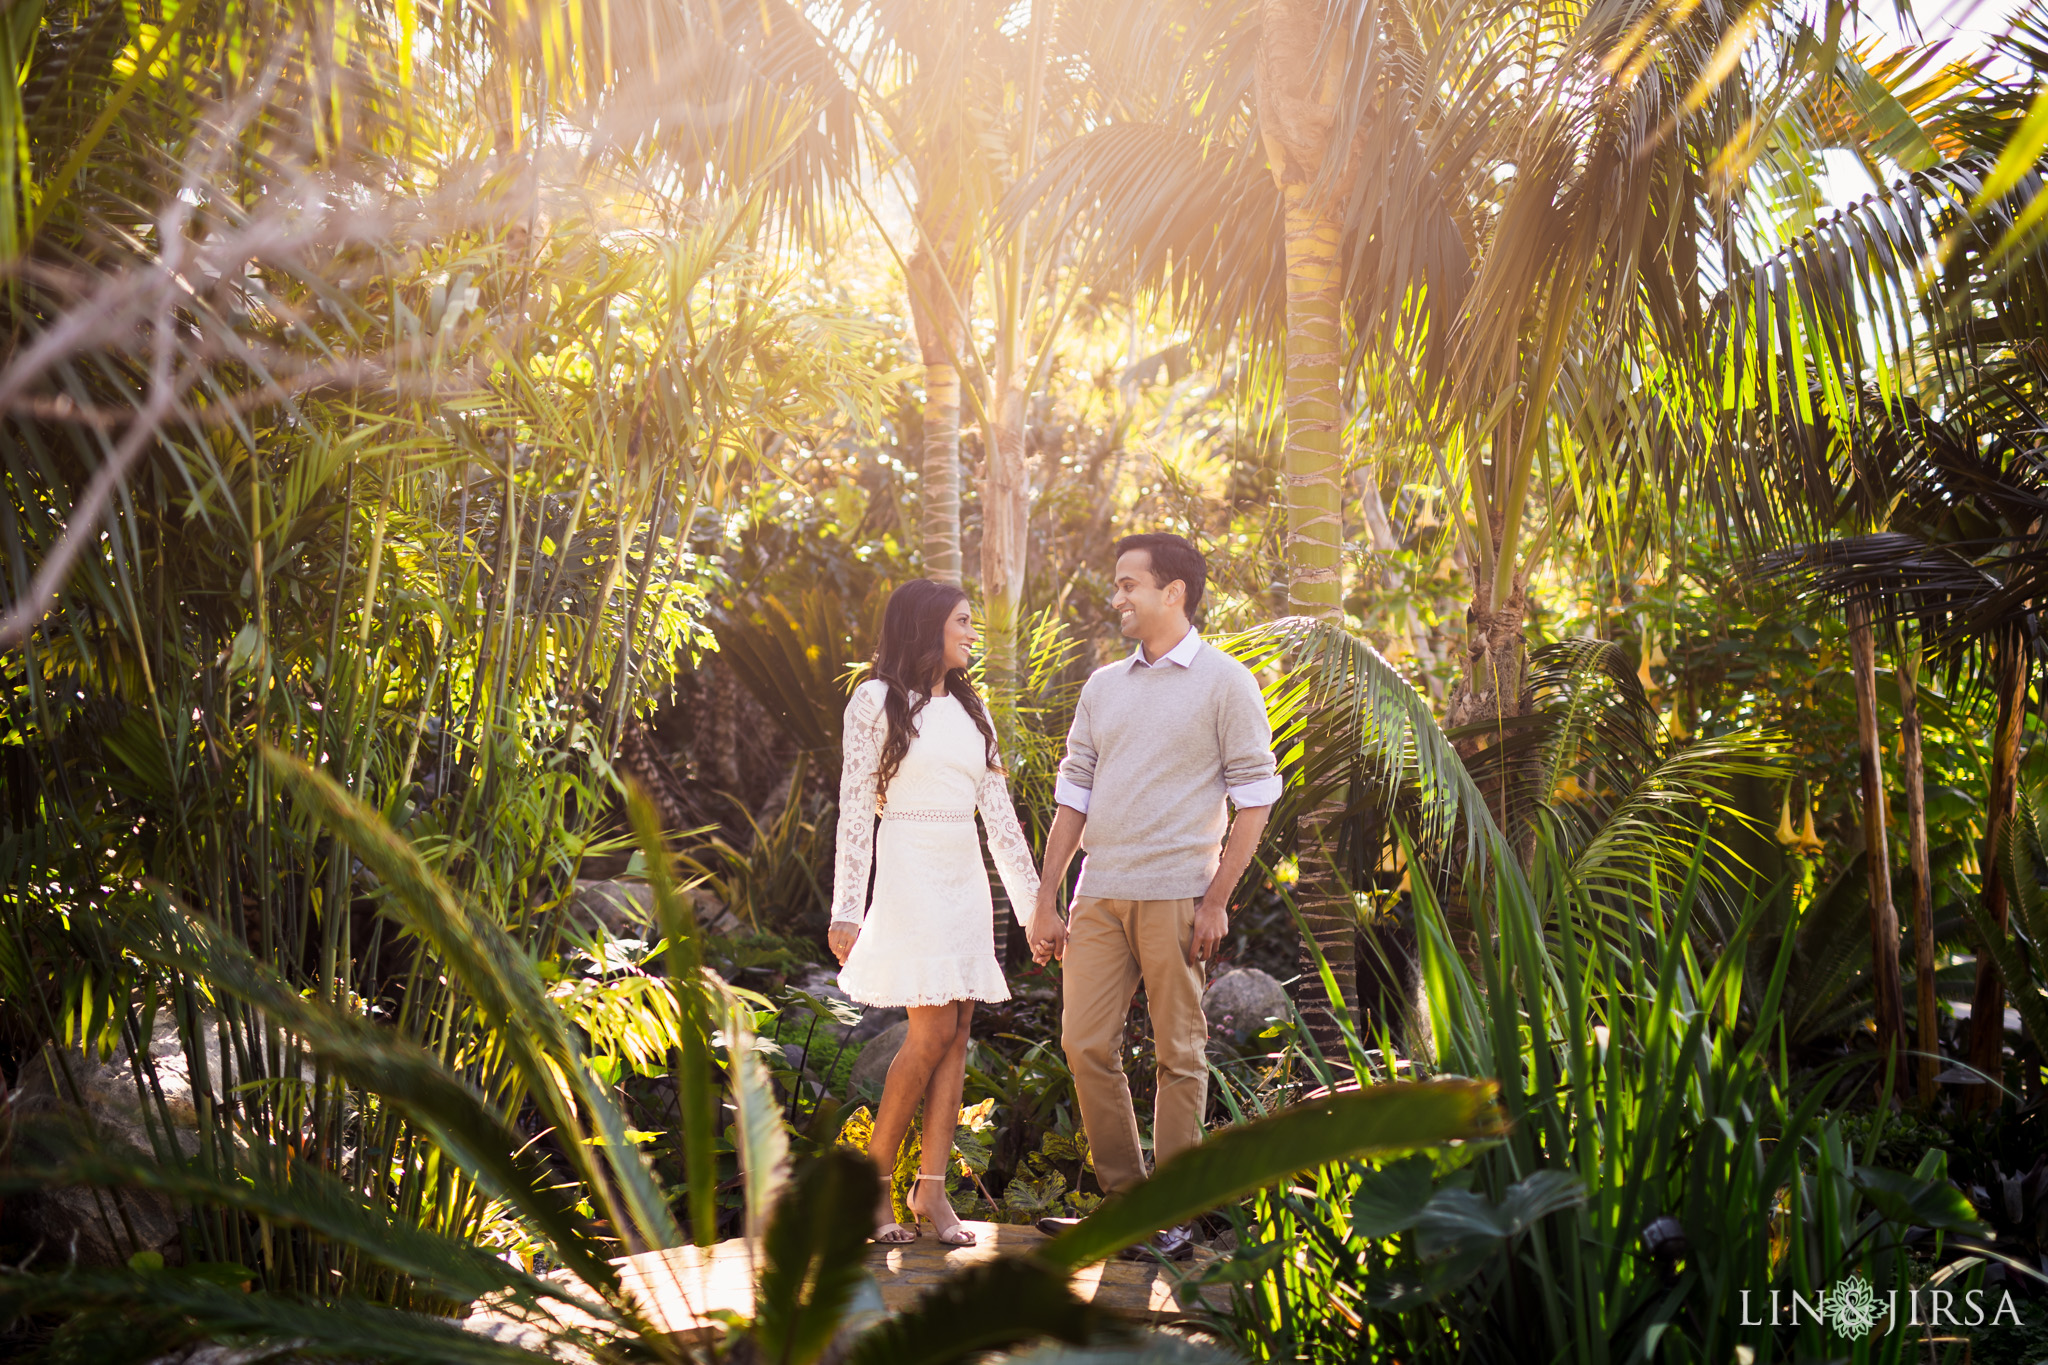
(1852, 1307)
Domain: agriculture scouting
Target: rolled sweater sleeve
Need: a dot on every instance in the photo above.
(1076, 778)
(1245, 737)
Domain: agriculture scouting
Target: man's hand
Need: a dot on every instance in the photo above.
(1212, 922)
(840, 939)
(1212, 916)
(1048, 933)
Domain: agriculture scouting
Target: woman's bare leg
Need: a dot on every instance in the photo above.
(941, 1119)
(929, 1040)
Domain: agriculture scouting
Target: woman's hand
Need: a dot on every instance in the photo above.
(840, 938)
(1047, 932)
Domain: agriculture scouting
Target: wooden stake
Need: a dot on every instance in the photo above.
(1987, 1003)
(1884, 917)
(1921, 892)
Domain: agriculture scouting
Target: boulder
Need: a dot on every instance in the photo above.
(871, 1068)
(876, 1022)
(620, 909)
(84, 1223)
(626, 909)
(824, 986)
(1240, 1003)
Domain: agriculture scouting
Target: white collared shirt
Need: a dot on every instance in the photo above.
(1181, 654)
(1261, 793)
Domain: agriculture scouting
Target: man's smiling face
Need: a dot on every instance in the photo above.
(1143, 606)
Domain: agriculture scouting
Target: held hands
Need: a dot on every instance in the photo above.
(1047, 932)
(839, 937)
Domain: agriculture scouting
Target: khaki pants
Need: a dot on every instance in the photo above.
(1112, 945)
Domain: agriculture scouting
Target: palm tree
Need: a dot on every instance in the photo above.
(431, 556)
(1928, 475)
(1490, 218)
(964, 102)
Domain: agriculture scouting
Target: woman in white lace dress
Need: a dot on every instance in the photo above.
(921, 754)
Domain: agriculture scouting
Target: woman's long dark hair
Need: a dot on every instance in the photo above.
(912, 650)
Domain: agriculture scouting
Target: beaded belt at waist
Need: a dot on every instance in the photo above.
(936, 817)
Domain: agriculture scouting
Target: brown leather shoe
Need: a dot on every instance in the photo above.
(1168, 1244)
(1053, 1227)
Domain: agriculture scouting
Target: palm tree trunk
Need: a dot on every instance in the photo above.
(1314, 458)
(1884, 917)
(1488, 692)
(1005, 507)
(1987, 1003)
(1923, 877)
(1297, 96)
(935, 311)
(1005, 510)
(1005, 483)
(1315, 531)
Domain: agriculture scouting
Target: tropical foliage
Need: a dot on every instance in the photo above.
(454, 460)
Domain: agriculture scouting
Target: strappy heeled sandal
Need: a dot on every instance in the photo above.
(955, 1236)
(893, 1234)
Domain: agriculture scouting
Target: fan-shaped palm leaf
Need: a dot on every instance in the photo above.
(1361, 710)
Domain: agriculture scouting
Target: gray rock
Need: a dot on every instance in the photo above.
(871, 1068)
(824, 986)
(824, 983)
(1239, 1004)
(876, 1022)
(87, 1223)
(626, 909)
(620, 909)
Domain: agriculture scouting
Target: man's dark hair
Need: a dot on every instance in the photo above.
(1172, 557)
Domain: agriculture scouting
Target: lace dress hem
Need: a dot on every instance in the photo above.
(927, 981)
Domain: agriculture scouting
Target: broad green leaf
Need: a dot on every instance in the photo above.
(1390, 1199)
(1379, 1118)
(1531, 1200)
(1457, 1220)
(1920, 1203)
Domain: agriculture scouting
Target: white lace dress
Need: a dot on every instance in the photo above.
(929, 937)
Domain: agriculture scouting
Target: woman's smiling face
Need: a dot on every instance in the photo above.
(960, 637)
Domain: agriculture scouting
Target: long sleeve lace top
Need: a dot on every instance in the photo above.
(944, 779)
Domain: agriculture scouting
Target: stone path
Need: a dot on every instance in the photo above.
(684, 1287)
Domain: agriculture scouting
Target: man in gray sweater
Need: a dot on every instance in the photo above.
(1159, 740)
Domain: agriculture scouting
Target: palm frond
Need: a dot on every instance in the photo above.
(459, 1119)
(1159, 209)
(347, 1327)
(507, 990)
(1362, 711)
(286, 1190)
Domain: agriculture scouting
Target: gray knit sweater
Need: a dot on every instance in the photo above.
(1153, 752)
